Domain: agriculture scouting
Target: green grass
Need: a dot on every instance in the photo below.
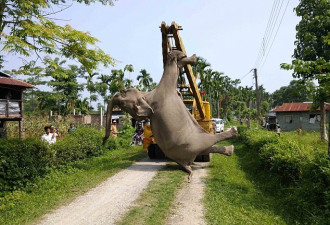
(241, 191)
(63, 185)
(232, 198)
(153, 206)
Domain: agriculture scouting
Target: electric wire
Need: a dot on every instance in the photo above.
(260, 53)
(275, 35)
(246, 74)
(269, 34)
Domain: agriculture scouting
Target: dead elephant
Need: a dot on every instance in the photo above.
(177, 133)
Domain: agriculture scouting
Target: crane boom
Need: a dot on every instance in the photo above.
(172, 32)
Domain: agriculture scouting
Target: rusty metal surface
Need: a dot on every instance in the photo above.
(297, 107)
(14, 82)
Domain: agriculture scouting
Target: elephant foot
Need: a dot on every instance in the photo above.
(234, 132)
(225, 150)
(228, 134)
(229, 150)
(189, 170)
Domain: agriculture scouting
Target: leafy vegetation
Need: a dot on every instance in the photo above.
(23, 161)
(312, 52)
(62, 185)
(233, 196)
(296, 91)
(302, 169)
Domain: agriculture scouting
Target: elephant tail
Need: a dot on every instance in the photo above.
(111, 104)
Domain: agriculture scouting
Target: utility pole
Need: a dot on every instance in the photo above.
(257, 94)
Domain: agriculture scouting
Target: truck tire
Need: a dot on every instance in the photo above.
(152, 151)
(159, 153)
(203, 158)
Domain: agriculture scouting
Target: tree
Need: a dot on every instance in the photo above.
(63, 81)
(296, 91)
(145, 80)
(27, 29)
(312, 52)
(200, 68)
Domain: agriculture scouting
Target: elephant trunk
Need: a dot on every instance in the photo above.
(111, 104)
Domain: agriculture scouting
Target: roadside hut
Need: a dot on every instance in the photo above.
(11, 102)
(299, 115)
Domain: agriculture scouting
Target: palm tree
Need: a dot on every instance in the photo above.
(128, 82)
(199, 69)
(145, 80)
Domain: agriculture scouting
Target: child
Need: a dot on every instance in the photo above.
(279, 130)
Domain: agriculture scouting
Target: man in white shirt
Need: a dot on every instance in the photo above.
(49, 137)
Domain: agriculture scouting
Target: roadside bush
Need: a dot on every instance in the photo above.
(23, 161)
(301, 162)
(284, 158)
(82, 143)
(123, 139)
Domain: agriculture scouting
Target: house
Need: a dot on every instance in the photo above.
(299, 115)
(11, 102)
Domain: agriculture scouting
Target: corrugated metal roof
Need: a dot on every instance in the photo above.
(14, 82)
(2, 74)
(297, 107)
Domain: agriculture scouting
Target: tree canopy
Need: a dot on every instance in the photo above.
(28, 29)
(312, 52)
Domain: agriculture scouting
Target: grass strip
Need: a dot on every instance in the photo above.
(232, 198)
(153, 206)
(63, 185)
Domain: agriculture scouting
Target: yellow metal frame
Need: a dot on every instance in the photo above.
(201, 110)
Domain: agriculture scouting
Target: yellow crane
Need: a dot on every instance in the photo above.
(199, 109)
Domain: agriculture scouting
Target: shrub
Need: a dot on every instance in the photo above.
(23, 161)
(83, 143)
(299, 160)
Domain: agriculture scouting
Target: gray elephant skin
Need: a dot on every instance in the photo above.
(177, 133)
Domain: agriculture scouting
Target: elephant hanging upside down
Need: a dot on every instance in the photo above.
(177, 133)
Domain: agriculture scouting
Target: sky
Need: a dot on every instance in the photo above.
(228, 34)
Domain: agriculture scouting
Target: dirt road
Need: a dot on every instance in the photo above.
(188, 203)
(108, 201)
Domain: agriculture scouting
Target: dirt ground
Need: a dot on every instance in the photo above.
(108, 201)
(188, 206)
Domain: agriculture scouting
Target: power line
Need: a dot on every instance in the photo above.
(246, 74)
(270, 31)
(275, 35)
(261, 50)
(272, 22)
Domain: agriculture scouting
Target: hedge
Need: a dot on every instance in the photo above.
(23, 161)
(302, 165)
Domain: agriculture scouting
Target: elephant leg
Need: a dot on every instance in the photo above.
(230, 133)
(225, 150)
(188, 169)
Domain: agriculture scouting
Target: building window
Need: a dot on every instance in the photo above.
(288, 119)
(313, 118)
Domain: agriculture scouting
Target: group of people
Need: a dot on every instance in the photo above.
(51, 133)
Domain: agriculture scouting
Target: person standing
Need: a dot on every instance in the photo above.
(50, 135)
(46, 137)
(53, 133)
(113, 129)
(278, 130)
(72, 128)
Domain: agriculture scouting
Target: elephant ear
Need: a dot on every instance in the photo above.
(142, 108)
